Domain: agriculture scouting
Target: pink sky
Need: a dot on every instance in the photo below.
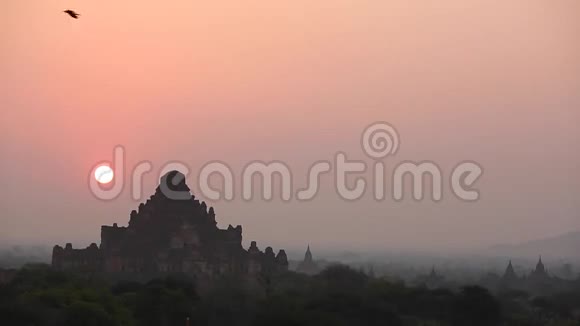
(294, 81)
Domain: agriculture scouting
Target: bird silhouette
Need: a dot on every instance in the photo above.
(72, 14)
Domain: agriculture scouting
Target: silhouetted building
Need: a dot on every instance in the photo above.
(537, 282)
(434, 280)
(171, 232)
(510, 275)
(540, 272)
(308, 265)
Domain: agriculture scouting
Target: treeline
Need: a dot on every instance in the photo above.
(337, 296)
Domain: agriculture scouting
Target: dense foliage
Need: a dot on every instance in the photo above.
(337, 296)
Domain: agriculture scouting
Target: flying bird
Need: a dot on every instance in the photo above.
(72, 14)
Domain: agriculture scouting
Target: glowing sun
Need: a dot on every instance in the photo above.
(104, 174)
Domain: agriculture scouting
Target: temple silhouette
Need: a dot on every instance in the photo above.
(172, 232)
(308, 265)
(538, 281)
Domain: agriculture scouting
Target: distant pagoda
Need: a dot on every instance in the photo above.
(509, 274)
(308, 265)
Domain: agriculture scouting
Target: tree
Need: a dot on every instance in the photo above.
(476, 306)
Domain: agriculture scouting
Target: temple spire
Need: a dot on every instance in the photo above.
(540, 265)
(509, 274)
(308, 266)
(433, 273)
(308, 254)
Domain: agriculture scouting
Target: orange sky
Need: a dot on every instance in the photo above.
(294, 81)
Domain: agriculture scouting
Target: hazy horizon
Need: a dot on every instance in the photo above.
(295, 82)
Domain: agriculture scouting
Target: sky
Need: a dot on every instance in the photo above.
(297, 82)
